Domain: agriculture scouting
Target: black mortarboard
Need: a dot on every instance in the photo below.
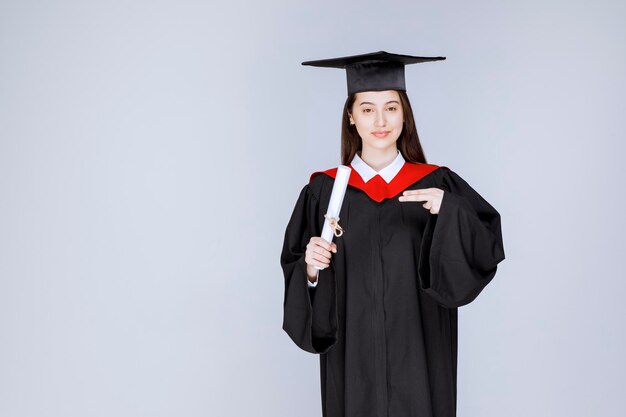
(375, 71)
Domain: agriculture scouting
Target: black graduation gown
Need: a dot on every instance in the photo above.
(383, 317)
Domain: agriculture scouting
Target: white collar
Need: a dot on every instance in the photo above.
(367, 172)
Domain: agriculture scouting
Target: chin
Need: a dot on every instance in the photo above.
(381, 144)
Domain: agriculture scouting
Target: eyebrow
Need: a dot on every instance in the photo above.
(367, 102)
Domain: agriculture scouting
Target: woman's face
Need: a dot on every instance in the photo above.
(378, 117)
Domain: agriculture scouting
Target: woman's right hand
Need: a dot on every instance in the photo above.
(318, 253)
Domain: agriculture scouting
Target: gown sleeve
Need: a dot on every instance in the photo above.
(461, 245)
(309, 313)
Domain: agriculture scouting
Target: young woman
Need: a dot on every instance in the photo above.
(418, 243)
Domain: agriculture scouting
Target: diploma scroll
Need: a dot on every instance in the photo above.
(336, 199)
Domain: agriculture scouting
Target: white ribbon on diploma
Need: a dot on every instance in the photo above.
(334, 205)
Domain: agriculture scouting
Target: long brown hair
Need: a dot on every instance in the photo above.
(408, 143)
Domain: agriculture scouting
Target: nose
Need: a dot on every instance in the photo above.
(380, 119)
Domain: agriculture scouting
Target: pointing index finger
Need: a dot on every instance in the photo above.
(425, 191)
(410, 192)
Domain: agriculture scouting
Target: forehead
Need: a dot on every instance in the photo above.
(377, 96)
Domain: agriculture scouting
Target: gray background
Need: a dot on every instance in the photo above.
(151, 154)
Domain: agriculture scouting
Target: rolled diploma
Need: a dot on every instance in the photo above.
(336, 199)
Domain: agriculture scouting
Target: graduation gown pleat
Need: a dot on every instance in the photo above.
(383, 316)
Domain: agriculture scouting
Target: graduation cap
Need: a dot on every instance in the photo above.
(375, 71)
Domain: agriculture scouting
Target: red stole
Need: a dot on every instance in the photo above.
(377, 188)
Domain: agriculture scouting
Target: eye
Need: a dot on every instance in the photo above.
(392, 108)
(367, 110)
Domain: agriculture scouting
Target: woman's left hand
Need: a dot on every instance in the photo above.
(431, 196)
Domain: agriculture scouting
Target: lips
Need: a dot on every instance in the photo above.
(381, 134)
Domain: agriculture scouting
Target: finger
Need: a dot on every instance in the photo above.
(312, 258)
(412, 192)
(322, 252)
(321, 249)
(317, 264)
(415, 198)
(320, 241)
(418, 191)
(322, 262)
(423, 191)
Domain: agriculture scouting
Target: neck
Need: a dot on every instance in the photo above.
(378, 158)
